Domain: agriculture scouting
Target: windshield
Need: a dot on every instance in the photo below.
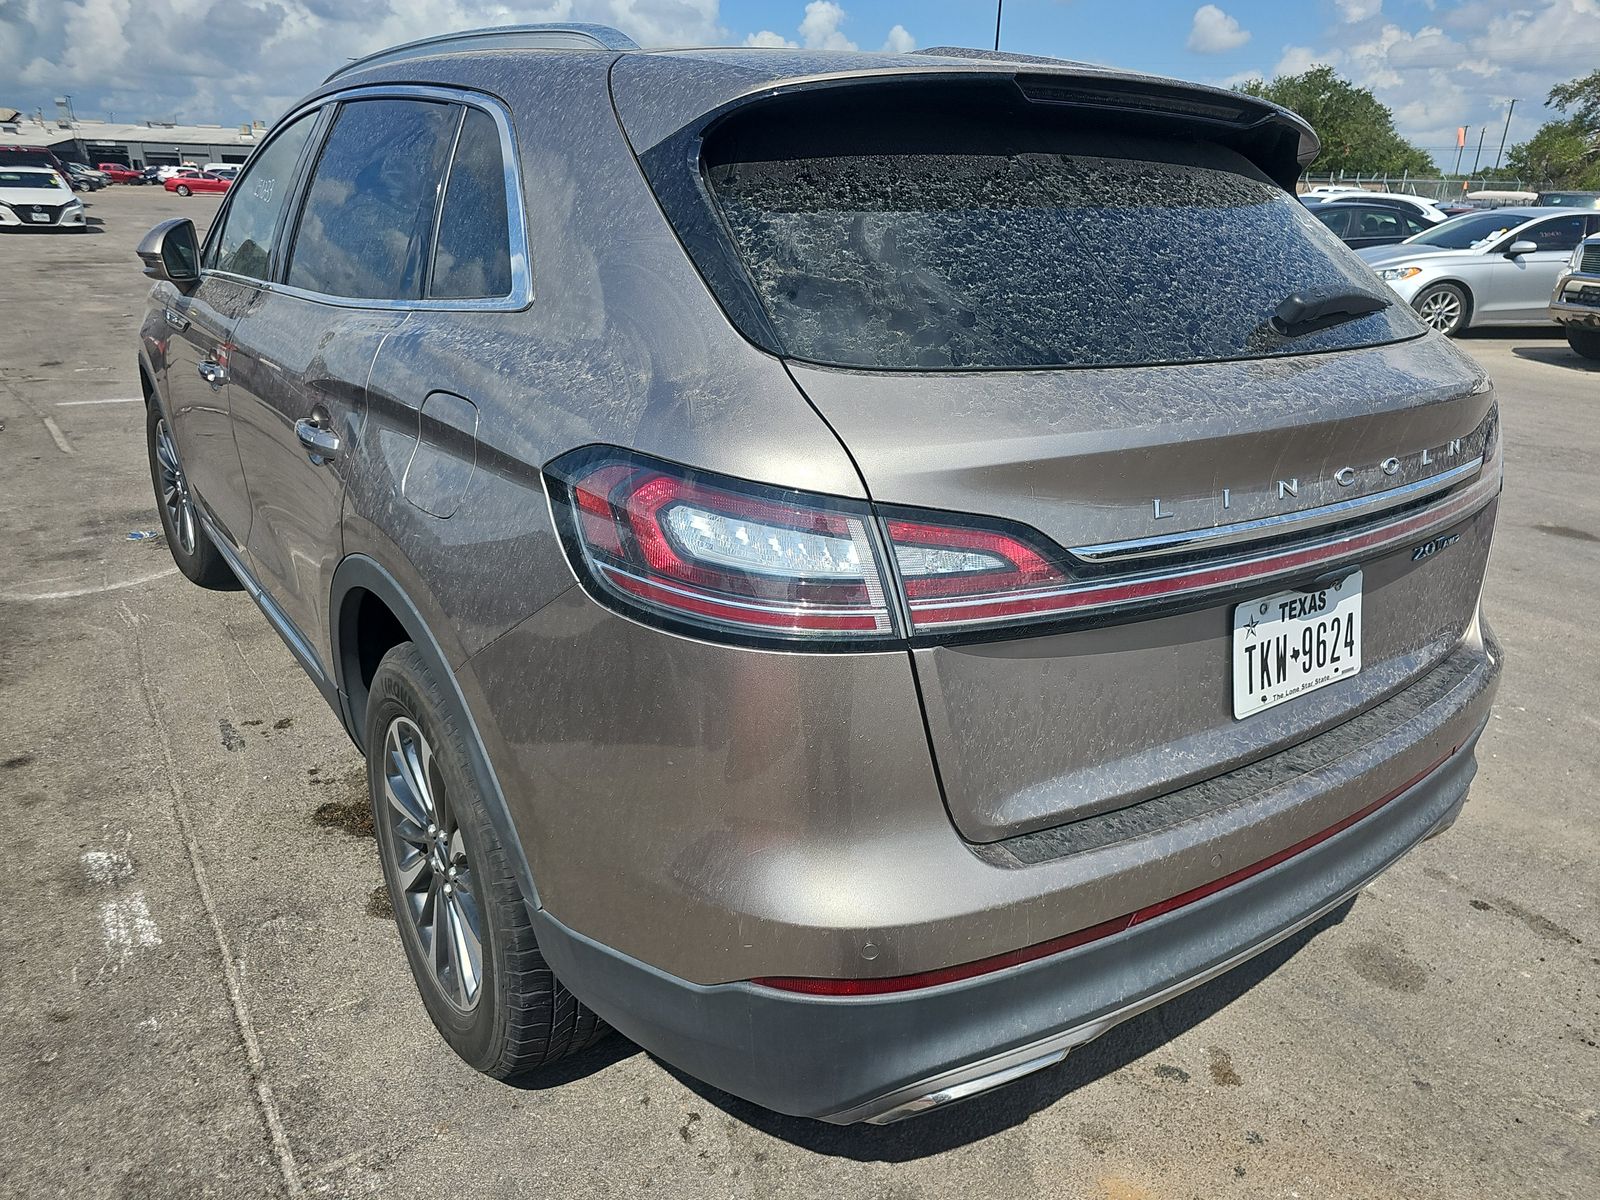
(1465, 232)
(29, 179)
(984, 260)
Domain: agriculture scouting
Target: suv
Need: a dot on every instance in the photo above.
(1576, 302)
(831, 573)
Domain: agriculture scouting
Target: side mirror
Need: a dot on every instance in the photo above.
(171, 251)
(1519, 248)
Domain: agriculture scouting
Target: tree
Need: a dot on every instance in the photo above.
(1356, 129)
(1565, 153)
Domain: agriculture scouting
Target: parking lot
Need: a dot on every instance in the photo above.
(203, 994)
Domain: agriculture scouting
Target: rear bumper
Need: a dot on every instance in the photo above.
(883, 1056)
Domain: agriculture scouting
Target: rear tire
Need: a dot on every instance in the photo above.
(183, 190)
(1584, 341)
(1443, 307)
(463, 922)
(190, 546)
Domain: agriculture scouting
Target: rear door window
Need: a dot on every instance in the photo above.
(473, 257)
(1033, 259)
(244, 247)
(368, 216)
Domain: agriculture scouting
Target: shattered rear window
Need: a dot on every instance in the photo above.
(941, 261)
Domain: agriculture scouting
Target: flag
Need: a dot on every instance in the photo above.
(1461, 136)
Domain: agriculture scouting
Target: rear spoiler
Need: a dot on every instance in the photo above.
(664, 97)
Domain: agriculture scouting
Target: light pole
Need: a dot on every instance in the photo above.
(1511, 108)
(999, 7)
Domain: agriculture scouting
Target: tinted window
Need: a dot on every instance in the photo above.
(1414, 224)
(1034, 259)
(254, 205)
(1377, 223)
(368, 214)
(1335, 216)
(473, 257)
(1562, 234)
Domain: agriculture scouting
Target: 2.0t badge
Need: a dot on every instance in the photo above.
(1427, 549)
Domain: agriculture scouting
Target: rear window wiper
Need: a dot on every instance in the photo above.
(1299, 313)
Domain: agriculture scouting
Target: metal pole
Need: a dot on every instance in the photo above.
(1479, 154)
(1511, 108)
(999, 7)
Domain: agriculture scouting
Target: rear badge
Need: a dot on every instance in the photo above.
(1427, 549)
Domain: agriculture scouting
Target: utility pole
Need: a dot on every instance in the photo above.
(1479, 154)
(999, 7)
(1460, 146)
(1509, 110)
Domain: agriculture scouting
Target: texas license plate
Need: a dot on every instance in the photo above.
(1295, 642)
(45, 217)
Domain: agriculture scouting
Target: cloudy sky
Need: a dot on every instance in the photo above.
(1437, 63)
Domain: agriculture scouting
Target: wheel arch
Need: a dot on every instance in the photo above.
(369, 612)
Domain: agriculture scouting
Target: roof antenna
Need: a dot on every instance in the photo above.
(999, 7)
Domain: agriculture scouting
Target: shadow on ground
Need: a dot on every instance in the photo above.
(1558, 356)
(987, 1115)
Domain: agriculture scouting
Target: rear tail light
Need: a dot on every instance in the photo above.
(680, 546)
(707, 553)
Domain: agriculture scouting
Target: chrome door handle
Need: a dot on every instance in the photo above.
(320, 442)
(213, 373)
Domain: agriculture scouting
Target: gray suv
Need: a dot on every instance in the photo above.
(858, 571)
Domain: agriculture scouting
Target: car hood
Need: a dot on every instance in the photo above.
(35, 195)
(1383, 256)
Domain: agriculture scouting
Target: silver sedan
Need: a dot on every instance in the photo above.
(1489, 268)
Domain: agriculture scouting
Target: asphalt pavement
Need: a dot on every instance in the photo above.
(202, 995)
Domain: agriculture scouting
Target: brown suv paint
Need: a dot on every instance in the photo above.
(820, 550)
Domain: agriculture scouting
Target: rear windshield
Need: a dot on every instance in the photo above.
(938, 261)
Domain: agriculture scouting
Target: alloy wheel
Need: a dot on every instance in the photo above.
(429, 860)
(1441, 310)
(175, 496)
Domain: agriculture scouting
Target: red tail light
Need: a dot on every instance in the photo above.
(678, 545)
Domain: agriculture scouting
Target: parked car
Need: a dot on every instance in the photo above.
(1415, 206)
(201, 181)
(220, 168)
(122, 173)
(164, 173)
(1489, 268)
(86, 179)
(38, 198)
(1358, 224)
(1570, 199)
(746, 653)
(1575, 304)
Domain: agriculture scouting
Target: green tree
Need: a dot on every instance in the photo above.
(1565, 153)
(1356, 129)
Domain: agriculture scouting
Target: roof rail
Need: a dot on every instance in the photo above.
(570, 36)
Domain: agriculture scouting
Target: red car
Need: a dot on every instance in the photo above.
(120, 173)
(200, 181)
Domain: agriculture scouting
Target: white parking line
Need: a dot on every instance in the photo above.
(60, 438)
(117, 400)
(70, 593)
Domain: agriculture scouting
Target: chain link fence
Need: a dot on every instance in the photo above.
(1431, 187)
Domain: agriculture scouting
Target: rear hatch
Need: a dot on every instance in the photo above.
(1059, 309)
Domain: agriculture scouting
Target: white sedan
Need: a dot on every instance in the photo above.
(37, 198)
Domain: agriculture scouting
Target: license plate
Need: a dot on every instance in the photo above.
(45, 217)
(1295, 642)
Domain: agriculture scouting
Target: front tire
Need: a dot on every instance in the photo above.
(191, 548)
(1443, 307)
(1584, 341)
(463, 921)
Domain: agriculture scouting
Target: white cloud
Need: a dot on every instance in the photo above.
(1215, 32)
(138, 57)
(772, 41)
(819, 28)
(899, 41)
(1297, 60)
(1353, 11)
